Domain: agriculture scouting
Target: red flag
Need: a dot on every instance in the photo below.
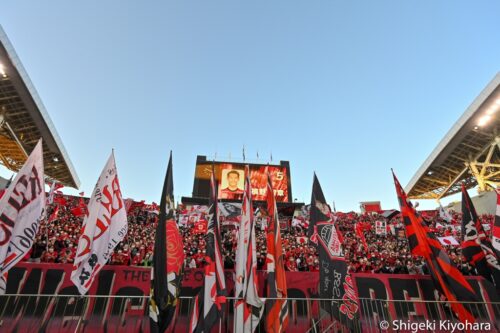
(53, 216)
(80, 210)
(447, 278)
(200, 227)
(361, 235)
(60, 201)
(277, 308)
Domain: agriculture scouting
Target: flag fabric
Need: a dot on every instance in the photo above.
(389, 214)
(444, 214)
(2, 191)
(381, 227)
(166, 274)
(55, 186)
(361, 235)
(60, 200)
(103, 228)
(276, 307)
(81, 209)
(201, 227)
(495, 233)
(448, 240)
(335, 282)
(476, 246)
(54, 214)
(447, 278)
(210, 302)
(249, 307)
(21, 209)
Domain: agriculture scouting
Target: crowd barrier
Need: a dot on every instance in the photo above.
(41, 297)
(66, 313)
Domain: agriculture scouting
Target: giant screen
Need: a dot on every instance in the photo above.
(231, 179)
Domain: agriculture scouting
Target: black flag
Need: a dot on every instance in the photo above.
(166, 274)
(335, 282)
(476, 246)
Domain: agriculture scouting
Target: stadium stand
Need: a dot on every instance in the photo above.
(387, 252)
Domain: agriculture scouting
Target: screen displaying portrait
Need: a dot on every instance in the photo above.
(230, 179)
(232, 184)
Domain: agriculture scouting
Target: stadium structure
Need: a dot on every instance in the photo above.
(40, 296)
(24, 120)
(468, 154)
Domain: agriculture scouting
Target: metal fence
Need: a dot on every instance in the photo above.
(119, 313)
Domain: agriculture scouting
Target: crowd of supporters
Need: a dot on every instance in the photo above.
(382, 252)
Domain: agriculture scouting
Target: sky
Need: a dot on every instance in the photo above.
(346, 89)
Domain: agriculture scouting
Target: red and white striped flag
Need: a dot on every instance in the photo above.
(103, 228)
(21, 210)
(210, 302)
(277, 307)
(495, 233)
(249, 306)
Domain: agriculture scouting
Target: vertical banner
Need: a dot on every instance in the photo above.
(335, 282)
(21, 209)
(380, 228)
(104, 227)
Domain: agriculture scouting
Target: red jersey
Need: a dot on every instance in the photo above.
(226, 193)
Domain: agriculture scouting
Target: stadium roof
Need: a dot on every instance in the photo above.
(23, 120)
(468, 154)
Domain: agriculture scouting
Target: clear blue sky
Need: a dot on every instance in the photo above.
(348, 89)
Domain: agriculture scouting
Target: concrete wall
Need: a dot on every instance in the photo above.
(485, 203)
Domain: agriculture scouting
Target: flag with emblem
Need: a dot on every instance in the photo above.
(276, 306)
(249, 306)
(335, 282)
(168, 260)
(476, 246)
(210, 302)
(446, 276)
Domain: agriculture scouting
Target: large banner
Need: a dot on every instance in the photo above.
(398, 301)
(408, 298)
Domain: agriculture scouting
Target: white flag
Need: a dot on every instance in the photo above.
(444, 214)
(380, 228)
(103, 228)
(21, 210)
(448, 240)
(249, 307)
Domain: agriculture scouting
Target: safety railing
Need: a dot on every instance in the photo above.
(125, 313)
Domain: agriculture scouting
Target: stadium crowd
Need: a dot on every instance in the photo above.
(379, 252)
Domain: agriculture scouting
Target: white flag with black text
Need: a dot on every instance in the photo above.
(103, 228)
(21, 209)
